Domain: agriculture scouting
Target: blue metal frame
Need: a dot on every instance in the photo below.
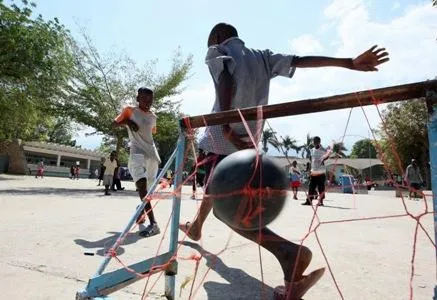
(170, 279)
(103, 284)
(432, 138)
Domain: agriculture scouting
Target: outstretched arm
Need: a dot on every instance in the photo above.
(366, 61)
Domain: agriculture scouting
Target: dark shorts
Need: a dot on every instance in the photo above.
(316, 182)
(415, 186)
(200, 179)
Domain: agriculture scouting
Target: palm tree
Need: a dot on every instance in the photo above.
(338, 150)
(306, 148)
(289, 144)
(269, 137)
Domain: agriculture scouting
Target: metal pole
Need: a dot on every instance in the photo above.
(140, 209)
(432, 137)
(170, 278)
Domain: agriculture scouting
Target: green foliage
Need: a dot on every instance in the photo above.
(338, 150)
(363, 149)
(288, 144)
(35, 63)
(404, 135)
(167, 133)
(306, 148)
(103, 85)
(269, 137)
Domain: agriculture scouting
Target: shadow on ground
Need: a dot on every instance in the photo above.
(64, 191)
(241, 285)
(105, 243)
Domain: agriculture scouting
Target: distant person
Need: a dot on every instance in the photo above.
(77, 170)
(101, 170)
(116, 182)
(72, 171)
(110, 165)
(294, 179)
(40, 170)
(413, 178)
(318, 173)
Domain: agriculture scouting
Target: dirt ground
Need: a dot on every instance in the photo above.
(46, 226)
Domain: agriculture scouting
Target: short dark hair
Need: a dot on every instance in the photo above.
(316, 138)
(224, 31)
(145, 90)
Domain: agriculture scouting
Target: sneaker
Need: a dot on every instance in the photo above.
(193, 197)
(151, 230)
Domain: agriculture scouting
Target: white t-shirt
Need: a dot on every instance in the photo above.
(110, 166)
(251, 71)
(317, 157)
(141, 141)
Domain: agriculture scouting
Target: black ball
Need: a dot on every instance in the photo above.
(248, 190)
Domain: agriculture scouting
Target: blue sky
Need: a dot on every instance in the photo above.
(147, 30)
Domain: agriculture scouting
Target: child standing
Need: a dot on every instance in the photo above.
(295, 179)
(110, 165)
(318, 172)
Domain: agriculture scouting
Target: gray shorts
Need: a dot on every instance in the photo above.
(107, 180)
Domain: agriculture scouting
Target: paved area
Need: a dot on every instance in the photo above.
(46, 226)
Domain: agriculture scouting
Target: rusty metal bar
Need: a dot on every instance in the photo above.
(361, 98)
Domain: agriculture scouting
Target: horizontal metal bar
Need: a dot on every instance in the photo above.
(361, 98)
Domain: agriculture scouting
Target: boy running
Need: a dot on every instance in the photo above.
(143, 158)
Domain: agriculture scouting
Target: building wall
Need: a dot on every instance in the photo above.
(16, 159)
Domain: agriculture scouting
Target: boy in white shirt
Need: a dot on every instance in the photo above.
(143, 158)
(110, 164)
(318, 172)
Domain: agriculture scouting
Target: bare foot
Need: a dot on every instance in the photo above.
(294, 264)
(296, 290)
(190, 231)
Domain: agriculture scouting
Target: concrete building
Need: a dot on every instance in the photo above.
(20, 157)
(372, 167)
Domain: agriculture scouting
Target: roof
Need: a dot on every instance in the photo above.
(356, 163)
(61, 148)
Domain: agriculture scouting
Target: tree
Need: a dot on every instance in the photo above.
(289, 144)
(306, 148)
(102, 85)
(338, 150)
(57, 130)
(363, 149)
(35, 63)
(269, 137)
(404, 136)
